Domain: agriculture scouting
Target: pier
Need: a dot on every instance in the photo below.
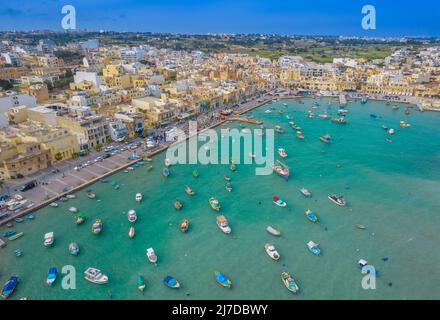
(244, 119)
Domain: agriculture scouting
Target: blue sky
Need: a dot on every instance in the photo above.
(310, 17)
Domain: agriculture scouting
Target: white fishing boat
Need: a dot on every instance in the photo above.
(71, 196)
(271, 251)
(54, 205)
(282, 152)
(339, 200)
(138, 197)
(131, 232)
(95, 276)
(49, 239)
(132, 217)
(273, 231)
(151, 255)
(391, 131)
(222, 223)
(277, 201)
(281, 169)
(73, 209)
(305, 192)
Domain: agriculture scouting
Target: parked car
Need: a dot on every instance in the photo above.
(28, 186)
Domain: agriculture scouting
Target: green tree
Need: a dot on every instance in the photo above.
(108, 140)
(98, 147)
(58, 156)
(126, 139)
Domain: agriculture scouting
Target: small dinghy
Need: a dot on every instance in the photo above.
(51, 276)
(339, 200)
(178, 205)
(228, 187)
(280, 203)
(222, 279)
(166, 172)
(361, 227)
(79, 219)
(151, 255)
(271, 251)
(214, 203)
(9, 287)
(305, 192)
(131, 232)
(227, 178)
(18, 253)
(273, 231)
(223, 224)
(171, 282)
(195, 174)
(97, 226)
(71, 196)
(73, 249)
(54, 205)
(282, 153)
(48, 239)
(138, 197)
(184, 225)
(140, 283)
(73, 210)
(91, 195)
(132, 216)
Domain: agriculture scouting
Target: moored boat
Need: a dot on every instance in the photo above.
(9, 287)
(361, 227)
(140, 283)
(271, 251)
(282, 153)
(222, 279)
(289, 282)
(189, 191)
(233, 167)
(167, 162)
(9, 233)
(132, 216)
(339, 200)
(54, 205)
(227, 178)
(311, 216)
(277, 201)
(15, 236)
(73, 209)
(184, 225)
(326, 139)
(223, 224)
(214, 203)
(151, 255)
(273, 231)
(178, 205)
(340, 120)
(73, 248)
(171, 282)
(91, 195)
(48, 239)
(51, 276)
(228, 187)
(314, 248)
(131, 232)
(305, 192)
(300, 135)
(278, 129)
(79, 219)
(281, 169)
(95, 276)
(195, 174)
(138, 197)
(97, 226)
(166, 172)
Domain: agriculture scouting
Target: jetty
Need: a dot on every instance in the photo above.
(245, 119)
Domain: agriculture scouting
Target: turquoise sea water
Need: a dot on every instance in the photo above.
(391, 188)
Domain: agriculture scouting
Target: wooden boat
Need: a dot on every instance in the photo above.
(340, 120)
(79, 219)
(227, 178)
(151, 255)
(289, 282)
(300, 135)
(273, 231)
(228, 187)
(282, 153)
(277, 201)
(178, 205)
(132, 216)
(314, 248)
(97, 226)
(16, 236)
(215, 205)
(51, 276)
(326, 139)
(73, 249)
(184, 225)
(189, 191)
(131, 232)
(166, 172)
(311, 216)
(138, 197)
(361, 227)
(271, 251)
(9, 287)
(222, 279)
(223, 224)
(140, 283)
(91, 195)
(171, 282)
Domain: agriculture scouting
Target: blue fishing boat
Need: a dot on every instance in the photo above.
(228, 187)
(171, 282)
(222, 279)
(51, 276)
(29, 217)
(166, 172)
(73, 249)
(227, 178)
(18, 253)
(9, 233)
(19, 220)
(311, 216)
(141, 283)
(9, 287)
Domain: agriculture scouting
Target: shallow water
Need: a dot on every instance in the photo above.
(391, 188)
